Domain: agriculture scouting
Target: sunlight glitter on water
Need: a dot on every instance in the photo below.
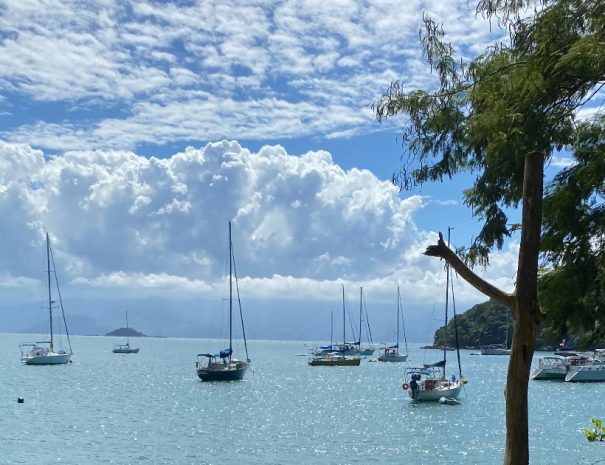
(151, 408)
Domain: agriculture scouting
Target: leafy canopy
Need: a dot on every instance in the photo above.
(514, 99)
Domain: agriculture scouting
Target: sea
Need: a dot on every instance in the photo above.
(150, 408)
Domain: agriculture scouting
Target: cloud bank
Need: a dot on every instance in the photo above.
(127, 223)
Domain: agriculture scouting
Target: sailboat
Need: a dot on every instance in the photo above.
(125, 348)
(499, 349)
(335, 355)
(223, 366)
(429, 382)
(369, 350)
(392, 354)
(43, 352)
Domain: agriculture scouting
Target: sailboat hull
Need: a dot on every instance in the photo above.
(118, 350)
(366, 352)
(433, 390)
(43, 352)
(48, 359)
(221, 374)
(393, 358)
(495, 351)
(334, 362)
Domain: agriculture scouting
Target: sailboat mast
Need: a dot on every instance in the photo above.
(230, 293)
(360, 312)
(50, 301)
(447, 299)
(344, 326)
(398, 310)
(331, 329)
(127, 332)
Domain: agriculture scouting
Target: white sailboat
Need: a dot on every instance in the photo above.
(336, 355)
(125, 348)
(44, 352)
(224, 366)
(355, 348)
(392, 354)
(363, 350)
(429, 382)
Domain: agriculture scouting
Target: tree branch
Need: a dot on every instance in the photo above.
(441, 250)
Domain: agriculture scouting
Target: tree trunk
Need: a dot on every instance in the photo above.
(523, 302)
(519, 365)
(527, 313)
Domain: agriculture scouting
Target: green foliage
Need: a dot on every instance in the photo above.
(597, 433)
(483, 324)
(486, 324)
(572, 288)
(487, 114)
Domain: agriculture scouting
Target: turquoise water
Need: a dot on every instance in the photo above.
(150, 408)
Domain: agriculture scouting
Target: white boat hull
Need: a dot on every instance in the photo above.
(586, 374)
(550, 373)
(558, 368)
(433, 390)
(46, 359)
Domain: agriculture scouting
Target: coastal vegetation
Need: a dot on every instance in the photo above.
(489, 322)
(503, 116)
(483, 324)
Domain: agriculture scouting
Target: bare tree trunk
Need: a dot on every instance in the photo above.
(527, 313)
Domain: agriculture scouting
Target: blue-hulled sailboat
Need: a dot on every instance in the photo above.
(224, 366)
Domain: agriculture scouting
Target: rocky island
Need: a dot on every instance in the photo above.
(125, 332)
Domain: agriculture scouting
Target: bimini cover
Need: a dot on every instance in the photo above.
(435, 365)
(225, 353)
(325, 347)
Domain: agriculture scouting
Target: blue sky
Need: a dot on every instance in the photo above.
(133, 131)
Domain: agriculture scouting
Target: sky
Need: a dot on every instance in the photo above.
(134, 131)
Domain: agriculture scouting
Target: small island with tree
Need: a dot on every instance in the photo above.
(125, 332)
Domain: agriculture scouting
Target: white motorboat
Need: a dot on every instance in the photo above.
(551, 367)
(591, 371)
(557, 367)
